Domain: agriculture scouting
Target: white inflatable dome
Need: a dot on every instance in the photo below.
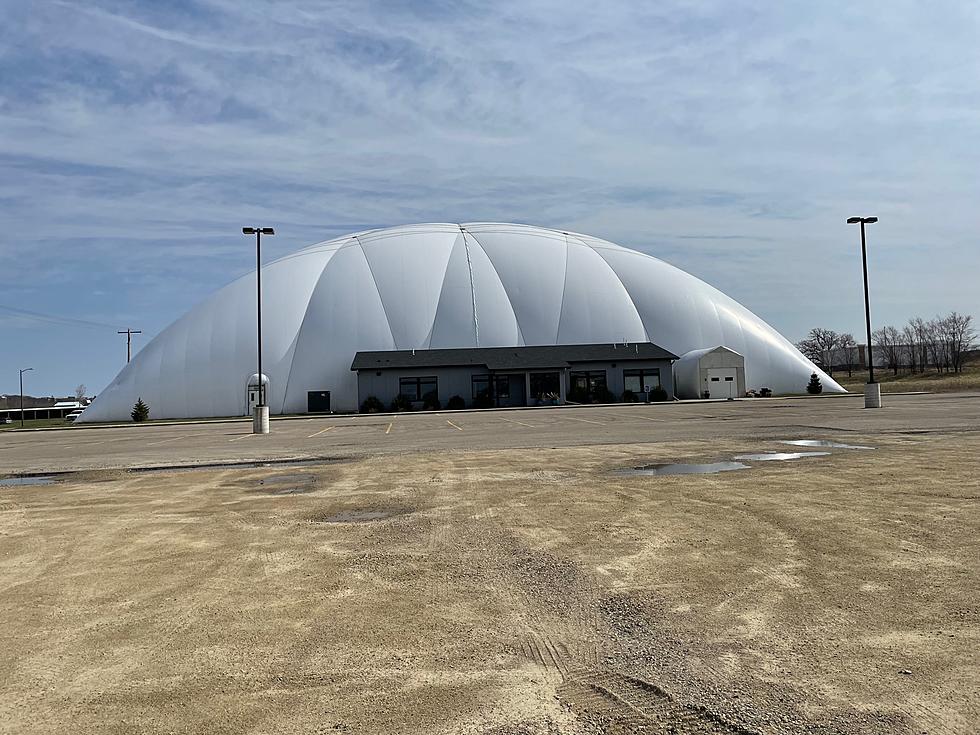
(428, 286)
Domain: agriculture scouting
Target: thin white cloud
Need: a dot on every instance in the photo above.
(165, 129)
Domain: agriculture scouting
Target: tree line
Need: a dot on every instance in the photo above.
(939, 344)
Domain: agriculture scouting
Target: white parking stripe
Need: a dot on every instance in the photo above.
(585, 421)
(172, 439)
(512, 421)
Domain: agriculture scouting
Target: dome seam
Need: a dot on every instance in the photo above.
(500, 280)
(469, 268)
(377, 288)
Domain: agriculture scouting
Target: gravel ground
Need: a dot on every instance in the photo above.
(506, 592)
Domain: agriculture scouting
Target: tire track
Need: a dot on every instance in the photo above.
(640, 705)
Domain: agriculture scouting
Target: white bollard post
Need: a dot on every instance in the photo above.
(260, 420)
(872, 395)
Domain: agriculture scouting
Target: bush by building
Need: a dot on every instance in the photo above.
(372, 404)
(401, 404)
(430, 401)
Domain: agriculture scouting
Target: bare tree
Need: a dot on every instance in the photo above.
(920, 341)
(846, 349)
(940, 343)
(887, 341)
(80, 392)
(960, 336)
(909, 352)
(819, 346)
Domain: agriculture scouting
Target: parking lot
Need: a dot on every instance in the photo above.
(499, 573)
(154, 445)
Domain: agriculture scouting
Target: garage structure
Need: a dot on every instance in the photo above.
(516, 376)
(715, 372)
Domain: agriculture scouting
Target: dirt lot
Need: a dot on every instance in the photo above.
(512, 591)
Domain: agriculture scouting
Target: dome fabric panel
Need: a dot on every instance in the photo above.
(454, 324)
(435, 285)
(594, 299)
(409, 271)
(496, 322)
(531, 267)
(344, 314)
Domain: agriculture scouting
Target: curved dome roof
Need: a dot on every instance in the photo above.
(428, 286)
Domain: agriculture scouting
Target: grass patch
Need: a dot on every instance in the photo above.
(968, 380)
(36, 424)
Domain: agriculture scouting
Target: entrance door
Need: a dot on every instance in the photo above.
(511, 390)
(253, 398)
(722, 383)
(545, 389)
(318, 401)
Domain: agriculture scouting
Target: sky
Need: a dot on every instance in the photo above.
(730, 138)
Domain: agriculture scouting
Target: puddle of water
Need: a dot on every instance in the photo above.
(780, 456)
(357, 515)
(822, 443)
(12, 481)
(684, 469)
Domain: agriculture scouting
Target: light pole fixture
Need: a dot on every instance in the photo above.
(872, 391)
(23, 370)
(260, 414)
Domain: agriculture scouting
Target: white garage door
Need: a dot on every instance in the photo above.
(722, 383)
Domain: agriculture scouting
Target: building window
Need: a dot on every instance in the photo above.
(546, 387)
(415, 389)
(481, 386)
(587, 385)
(638, 381)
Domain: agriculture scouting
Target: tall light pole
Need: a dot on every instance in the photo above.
(260, 415)
(23, 370)
(872, 391)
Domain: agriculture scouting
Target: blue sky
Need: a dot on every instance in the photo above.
(730, 138)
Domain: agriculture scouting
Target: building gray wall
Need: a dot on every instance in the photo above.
(452, 381)
(614, 375)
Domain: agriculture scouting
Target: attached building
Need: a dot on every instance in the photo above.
(715, 372)
(516, 376)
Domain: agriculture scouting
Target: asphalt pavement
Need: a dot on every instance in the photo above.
(338, 437)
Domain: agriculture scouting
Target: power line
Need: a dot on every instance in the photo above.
(53, 319)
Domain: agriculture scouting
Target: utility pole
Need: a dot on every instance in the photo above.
(129, 342)
(23, 370)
